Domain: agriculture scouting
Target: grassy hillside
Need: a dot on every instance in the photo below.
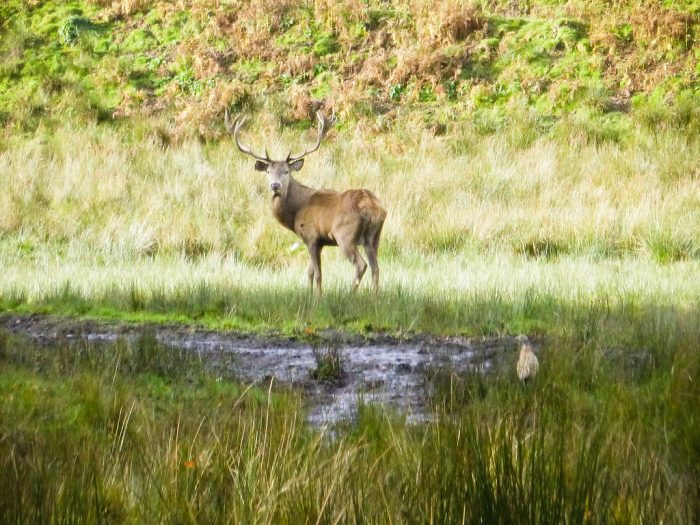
(603, 65)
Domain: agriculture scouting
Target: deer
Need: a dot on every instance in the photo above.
(320, 217)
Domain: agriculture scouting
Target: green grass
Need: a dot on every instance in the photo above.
(329, 366)
(484, 234)
(139, 433)
(448, 294)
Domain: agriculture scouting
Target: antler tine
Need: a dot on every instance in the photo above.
(234, 129)
(324, 125)
(331, 120)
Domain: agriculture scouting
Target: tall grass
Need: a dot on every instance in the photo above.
(141, 433)
(106, 194)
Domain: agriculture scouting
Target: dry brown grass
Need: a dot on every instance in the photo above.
(206, 62)
(301, 104)
(449, 22)
(373, 71)
(203, 116)
(654, 52)
(655, 25)
(426, 65)
(123, 7)
(299, 65)
(639, 198)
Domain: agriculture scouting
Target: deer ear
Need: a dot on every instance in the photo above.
(296, 165)
(260, 165)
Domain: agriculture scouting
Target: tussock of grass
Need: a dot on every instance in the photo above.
(329, 365)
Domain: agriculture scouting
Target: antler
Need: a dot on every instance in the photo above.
(324, 124)
(234, 130)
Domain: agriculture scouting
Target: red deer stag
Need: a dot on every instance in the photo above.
(321, 217)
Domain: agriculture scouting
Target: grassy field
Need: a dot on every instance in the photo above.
(485, 234)
(112, 193)
(539, 164)
(592, 247)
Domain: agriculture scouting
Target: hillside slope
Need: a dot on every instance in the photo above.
(608, 64)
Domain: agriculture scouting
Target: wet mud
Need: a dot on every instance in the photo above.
(335, 371)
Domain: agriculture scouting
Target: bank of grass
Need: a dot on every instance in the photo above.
(138, 433)
(375, 61)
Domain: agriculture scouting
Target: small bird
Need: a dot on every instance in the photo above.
(527, 363)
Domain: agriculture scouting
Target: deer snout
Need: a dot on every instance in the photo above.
(275, 186)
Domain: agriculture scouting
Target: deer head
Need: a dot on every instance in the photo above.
(278, 171)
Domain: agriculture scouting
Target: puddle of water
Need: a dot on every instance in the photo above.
(392, 375)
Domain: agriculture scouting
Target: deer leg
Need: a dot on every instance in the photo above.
(311, 272)
(371, 245)
(357, 261)
(371, 252)
(314, 270)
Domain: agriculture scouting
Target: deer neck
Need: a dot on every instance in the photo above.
(285, 207)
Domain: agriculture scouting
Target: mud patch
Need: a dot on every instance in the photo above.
(384, 370)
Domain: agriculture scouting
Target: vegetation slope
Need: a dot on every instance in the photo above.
(447, 61)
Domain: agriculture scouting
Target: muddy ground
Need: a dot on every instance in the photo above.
(385, 369)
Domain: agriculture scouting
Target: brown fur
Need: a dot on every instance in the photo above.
(329, 218)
